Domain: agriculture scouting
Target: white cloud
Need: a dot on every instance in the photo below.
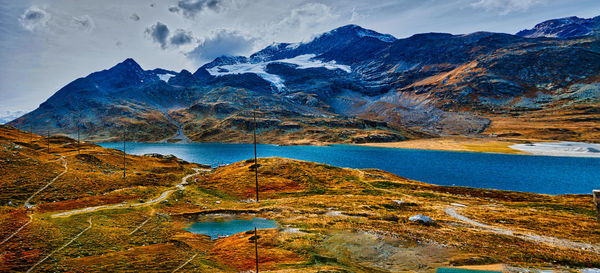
(84, 23)
(306, 17)
(34, 18)
(504, 7)
(190, 8)
(219, 43)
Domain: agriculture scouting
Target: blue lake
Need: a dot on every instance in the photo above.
(539, 174)
(227, 228)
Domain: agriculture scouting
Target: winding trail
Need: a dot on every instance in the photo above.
(186, 262)
(64, 161)
(552, 241)
(63, 246)
(18, 230)
(162, 197)
(140, 226)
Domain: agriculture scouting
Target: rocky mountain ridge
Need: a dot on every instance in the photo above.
(348, 85)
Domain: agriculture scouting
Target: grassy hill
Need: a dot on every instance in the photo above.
(331, 219)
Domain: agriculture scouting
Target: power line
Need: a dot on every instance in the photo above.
(255, 158)
(78, 141)
(256, 248)
(124, 176)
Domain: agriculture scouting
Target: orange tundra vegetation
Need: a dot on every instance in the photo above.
(330, 219)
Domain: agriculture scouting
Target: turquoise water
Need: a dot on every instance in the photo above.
(216, 229)
(460, 270)
(539, 174)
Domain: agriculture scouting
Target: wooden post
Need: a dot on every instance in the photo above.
(124, 176)
(256, 248)
(255, 159)
(78, 141)
(597, 202)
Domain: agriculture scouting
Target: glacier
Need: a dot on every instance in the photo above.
(259, 68)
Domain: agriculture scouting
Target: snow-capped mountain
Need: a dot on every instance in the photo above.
(8, 116)
(346, 85)
(563, 28)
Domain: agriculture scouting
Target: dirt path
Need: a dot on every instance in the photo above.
(552, 241)
(64, 161)
(140, 226)
(18, 230)
(184, 264)
(162, 197)
(63, 246)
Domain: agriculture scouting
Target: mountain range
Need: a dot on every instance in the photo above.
(351, 85)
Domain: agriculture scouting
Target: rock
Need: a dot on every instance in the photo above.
(218, 202)
(377, 138)
(334, 213)
(420, 218)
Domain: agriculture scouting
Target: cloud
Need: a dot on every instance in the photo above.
(219, 43)
(181, 37)
(305, 18)
(190, 8)
(505, 7)
(84, 23)
(34, 18)
(159, 33)
(134, 17)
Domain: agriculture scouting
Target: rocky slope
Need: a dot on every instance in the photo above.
(563, 28)
(351, 85)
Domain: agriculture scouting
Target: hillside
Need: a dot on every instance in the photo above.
(332, 219)
(350, 85)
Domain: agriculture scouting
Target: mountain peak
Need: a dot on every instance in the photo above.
(566, 27)
(129, 64)
(361, 32)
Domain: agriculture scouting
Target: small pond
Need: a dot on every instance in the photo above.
(218, 226)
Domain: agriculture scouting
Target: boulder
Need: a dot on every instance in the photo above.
(420, 218)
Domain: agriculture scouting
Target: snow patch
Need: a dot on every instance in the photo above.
(382, 37)
(307, 61)
(563, 148)
(302, 61)
(165, 77)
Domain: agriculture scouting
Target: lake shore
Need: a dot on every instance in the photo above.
(563, 148)
(495, 145)
(455, 144)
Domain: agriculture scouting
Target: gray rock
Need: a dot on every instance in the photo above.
(420, 218)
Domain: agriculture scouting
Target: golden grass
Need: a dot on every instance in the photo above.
(454, 143)
(340, 219)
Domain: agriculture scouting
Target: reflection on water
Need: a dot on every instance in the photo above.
(218, 226)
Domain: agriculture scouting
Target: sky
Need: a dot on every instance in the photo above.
(45, 44)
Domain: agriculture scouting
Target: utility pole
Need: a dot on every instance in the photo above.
(255, 161)
(78, 140)
(30, 133)
(124, 176)
(256, 248)
(596, 194)
(48, 139)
